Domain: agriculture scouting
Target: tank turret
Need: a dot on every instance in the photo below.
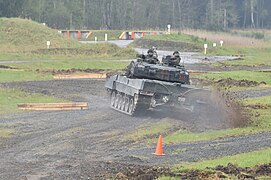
(149, 67)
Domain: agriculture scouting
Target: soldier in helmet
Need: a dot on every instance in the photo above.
(151, 58)
(175, 60)
(154, 48)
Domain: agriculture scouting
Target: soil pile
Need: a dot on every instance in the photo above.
(6, 67)
(239, 83)
(248, 172)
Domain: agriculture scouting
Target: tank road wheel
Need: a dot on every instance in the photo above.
(131, 106)
(126, 106)
(113, 98)
(123, 103)
(117, 101)
(120, 102)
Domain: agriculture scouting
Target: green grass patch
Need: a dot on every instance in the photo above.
(24, 35)
(13, 75)
(178, 37)
(149, 131)
(174, 41)
(99, 51)
(6, 132)
(9, 98)
(249, 159)
(258, 100)
(186, 136)
(239, 75)
(68, 64)
(261, 118)
(253, 56)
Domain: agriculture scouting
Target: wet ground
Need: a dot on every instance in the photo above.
(89, 143)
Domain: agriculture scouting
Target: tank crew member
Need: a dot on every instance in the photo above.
(175, 60)
(150, 58)
(154, 48)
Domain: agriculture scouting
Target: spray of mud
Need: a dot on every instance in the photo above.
(205, 110)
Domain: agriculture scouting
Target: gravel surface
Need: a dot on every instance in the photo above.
(81, 144)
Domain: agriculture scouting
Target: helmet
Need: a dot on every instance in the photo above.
(150, 52)
(176, 54)
(154, 48)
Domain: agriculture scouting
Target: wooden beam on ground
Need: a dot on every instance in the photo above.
(53, 106)
(197, 72)
(81, 76)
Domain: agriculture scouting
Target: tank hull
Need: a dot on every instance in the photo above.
(129, 95)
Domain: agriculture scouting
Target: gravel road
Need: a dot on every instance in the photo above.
(82, 144)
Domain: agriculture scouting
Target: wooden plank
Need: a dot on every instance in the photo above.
(53, 109)
(81, 76)
(53, 106)
(197, 72)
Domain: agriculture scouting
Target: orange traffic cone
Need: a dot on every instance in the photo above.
(159, 148)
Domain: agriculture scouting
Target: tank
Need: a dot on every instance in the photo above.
(150, 84)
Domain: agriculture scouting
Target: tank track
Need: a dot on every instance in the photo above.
(129, 104)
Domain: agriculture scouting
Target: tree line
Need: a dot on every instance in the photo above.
(142, 14)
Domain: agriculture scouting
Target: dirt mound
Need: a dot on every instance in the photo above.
(6, 67)
(244, 173)
(142, 172)
(125, 171)
(239, 83)
(24, 35)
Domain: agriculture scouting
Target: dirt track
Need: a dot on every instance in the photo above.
(88, 143)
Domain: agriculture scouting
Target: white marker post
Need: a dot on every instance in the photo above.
(48, 43)
(95, 39)
(214, 44)
(221, 43)
(205, 48)
(168, 28)
(105, 37)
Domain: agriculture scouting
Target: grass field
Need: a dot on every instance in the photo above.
(9, 98)
(14, 75)
(249, 159)
(68, 64)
